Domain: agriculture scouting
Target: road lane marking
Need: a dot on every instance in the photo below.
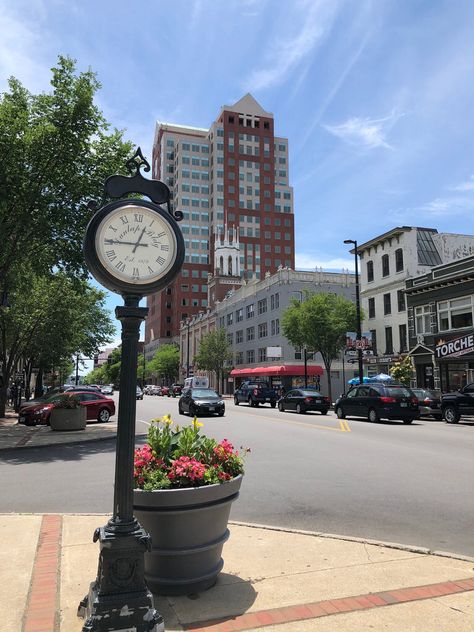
(344, 426)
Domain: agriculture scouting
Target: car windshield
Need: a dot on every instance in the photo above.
(204, 392)
(309, 393)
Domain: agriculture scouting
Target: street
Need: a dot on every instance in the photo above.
(410, 484)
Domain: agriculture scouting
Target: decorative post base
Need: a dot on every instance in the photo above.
(119, 599)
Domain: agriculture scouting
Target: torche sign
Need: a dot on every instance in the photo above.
(454, 347)
(133, 247)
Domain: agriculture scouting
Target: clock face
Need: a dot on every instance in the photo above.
(135, 244)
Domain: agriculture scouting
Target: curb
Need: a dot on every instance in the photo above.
(49, 445)
(389, 545)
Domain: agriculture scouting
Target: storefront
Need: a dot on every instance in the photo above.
(454, 355)
(286, 376)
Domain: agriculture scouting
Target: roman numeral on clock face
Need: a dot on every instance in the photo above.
(136, 273)
(124, 219)
(120, 266)
(162, 234)
(160, 260)
(165, 247)
(111, 254)
(138, 217)
(150, 270)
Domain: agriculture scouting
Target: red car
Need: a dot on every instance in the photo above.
(98, 407)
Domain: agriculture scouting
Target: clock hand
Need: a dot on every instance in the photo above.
(126, 243)
(139, 240)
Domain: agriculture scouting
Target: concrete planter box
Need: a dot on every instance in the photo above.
(68, 418)
(188, 529)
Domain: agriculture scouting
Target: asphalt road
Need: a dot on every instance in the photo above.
(411, 484)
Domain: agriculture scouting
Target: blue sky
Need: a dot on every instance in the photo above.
(375, 96)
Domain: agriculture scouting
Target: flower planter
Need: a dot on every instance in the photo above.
(188, 529)
(68, 418)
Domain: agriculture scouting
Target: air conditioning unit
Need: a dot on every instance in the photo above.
(420, 338)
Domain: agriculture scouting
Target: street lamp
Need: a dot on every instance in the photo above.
(359, 328)
(188, 323)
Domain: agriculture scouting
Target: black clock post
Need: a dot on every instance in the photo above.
(119, 599)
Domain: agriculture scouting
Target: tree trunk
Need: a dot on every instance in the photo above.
(3, 398)
(39, 383)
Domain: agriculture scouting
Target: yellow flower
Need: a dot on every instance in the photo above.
(197, 424)
(166, 419)
(156, 420)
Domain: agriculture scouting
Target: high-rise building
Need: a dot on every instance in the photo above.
(231, 182)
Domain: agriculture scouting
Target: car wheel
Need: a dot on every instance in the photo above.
(299, 409)
(236, 401)
(373, 416)
(104, 415)
(408, 421)
(451, 415)
(340, 414)
(192, 411)
(281, 408)
(250, 402)
(30, 423)
(324, 412)
(221, 413)
(273, 404)
(438, 417)
(180, 410)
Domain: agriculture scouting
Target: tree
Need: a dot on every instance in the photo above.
(215, 352)
(320, 323)
(50, 320)
(402, 371)
(165, 362)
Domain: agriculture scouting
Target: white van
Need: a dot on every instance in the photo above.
(196, 382)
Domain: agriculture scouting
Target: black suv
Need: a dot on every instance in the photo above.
(461, 402)
(379, 401)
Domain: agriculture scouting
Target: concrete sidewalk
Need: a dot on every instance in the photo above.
(272, 580)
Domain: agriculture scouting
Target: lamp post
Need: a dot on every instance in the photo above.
(359, 327)
(187, 350)
(305, 367)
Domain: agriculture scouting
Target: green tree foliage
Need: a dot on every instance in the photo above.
(402, 371)
(51, 319)
(107, 373)
(320, 322)
(165, 363)
(215, 353)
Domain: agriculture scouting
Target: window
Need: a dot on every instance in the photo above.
(388, 340)
(262, 306)
(387, 304)
(275, 301)
(423, 319)
(250, 356)
(230, 318)
(239, 336)
(371, 307)
(456, 313)
(401, 300)
(262, 354)
(239, 315)
(250, 333)
(249, 311)
(373, 333)
(298, 354)
(385, 266)
(398, 260)
(239, 357)
(402, 332)
(275, 327)
(230, 338)
(262, 330)
(370, 271)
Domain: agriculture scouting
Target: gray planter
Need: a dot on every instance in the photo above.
(68, 418)
(188, 528)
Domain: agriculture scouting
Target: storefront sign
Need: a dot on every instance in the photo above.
(455, 347)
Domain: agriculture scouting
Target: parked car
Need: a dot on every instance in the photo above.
(255, 393)
(196, 401)
(302, 400)
(164, 390)
(379, 401)
(176, 389)
(107, 389)
(139, 393)
(455, 405)
(98, 407)
(429, 402)
(154, 390)
(55, 391)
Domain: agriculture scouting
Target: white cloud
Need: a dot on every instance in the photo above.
(292, 46)
(309, 261)
(438, 208)
(468, 185)
(364, 132)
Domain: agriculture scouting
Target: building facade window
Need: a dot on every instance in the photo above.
(262, 306)
(250, 311)
(250, 356)
(402, 332)
(239, 336)
(388, 340)
(371, 307)
(398, 260)
(370, 271)
(262, 354)
(239, 357)
(250, 333)
(456, 313)
(262, 330)
(387, 304)
(401, 300)
(373, 333)
(385, 266)
(423, 319)
(239, 315)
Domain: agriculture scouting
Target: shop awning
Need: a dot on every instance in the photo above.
(278, 370)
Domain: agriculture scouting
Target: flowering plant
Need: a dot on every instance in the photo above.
(182, 457)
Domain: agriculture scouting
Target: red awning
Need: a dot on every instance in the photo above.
(288, 369)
